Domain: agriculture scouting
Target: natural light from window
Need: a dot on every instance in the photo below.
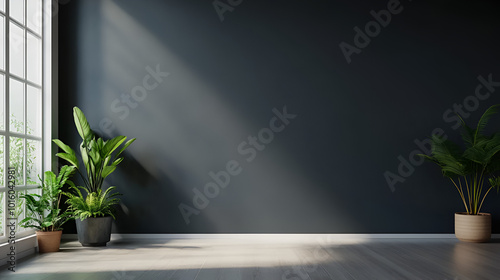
(21, 105)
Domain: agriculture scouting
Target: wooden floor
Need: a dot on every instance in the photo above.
(266, 257)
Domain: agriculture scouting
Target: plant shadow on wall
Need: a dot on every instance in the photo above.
(152, 196)
(473, 171)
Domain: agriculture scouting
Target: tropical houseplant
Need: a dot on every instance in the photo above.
(93, 209)
(93, 214)
(44, 212)
(472, 169)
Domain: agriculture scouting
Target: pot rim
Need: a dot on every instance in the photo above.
(467, 214)
(48, 232)
(102, 217)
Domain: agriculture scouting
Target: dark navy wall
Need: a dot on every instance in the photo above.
(204, 95)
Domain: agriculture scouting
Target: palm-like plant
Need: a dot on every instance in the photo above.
(44, 209)
(469, 168)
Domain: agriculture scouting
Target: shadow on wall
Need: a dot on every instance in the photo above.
(191, 89)
(187, 129)
(147, 196)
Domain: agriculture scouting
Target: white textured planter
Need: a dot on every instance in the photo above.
(473, 228)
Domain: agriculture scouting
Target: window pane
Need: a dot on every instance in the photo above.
(16, 48)
(19, 210)
(16, 158)
(17, 10)
(34, 111)
(16, 106)
(2, 8)
(2, 156)
(2, 42)
(2, 211)
(34, 67)
(33, 162)
(34, 14)
(2, 104)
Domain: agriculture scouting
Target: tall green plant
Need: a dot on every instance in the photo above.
(98, 156)
(471, 169)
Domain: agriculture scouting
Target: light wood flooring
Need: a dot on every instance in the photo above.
(273, 257)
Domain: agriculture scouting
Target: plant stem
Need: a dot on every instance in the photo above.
(461, 195)
(484, 198)
(479, 190)
(468, 191)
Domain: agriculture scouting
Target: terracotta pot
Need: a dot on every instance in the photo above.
(473, 228)
(48, 241)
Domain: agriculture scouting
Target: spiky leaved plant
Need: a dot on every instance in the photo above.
(96, 204)
(471, 169)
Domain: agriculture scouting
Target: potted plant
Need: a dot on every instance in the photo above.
(44, 212)
(471, 169)
(100, 158)
(93, 214)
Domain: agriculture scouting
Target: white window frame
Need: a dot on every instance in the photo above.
(46, 92)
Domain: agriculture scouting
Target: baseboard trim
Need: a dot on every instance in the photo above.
(117, 236)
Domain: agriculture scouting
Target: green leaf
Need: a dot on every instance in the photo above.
(108, 170)
(64, 147)
(467, 133)
(82, 125)
(64, 174)
(117, 161)
(484, 120)
(111, 145)
(476, 154)
(449, 156)
(95, 157)
(85, 156)
(125, 146)
(69, 158)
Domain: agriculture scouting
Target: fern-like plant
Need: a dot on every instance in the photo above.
(473, 168)
(95, 204)
(44, 212)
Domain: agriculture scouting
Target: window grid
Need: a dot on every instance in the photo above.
(25, 136)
